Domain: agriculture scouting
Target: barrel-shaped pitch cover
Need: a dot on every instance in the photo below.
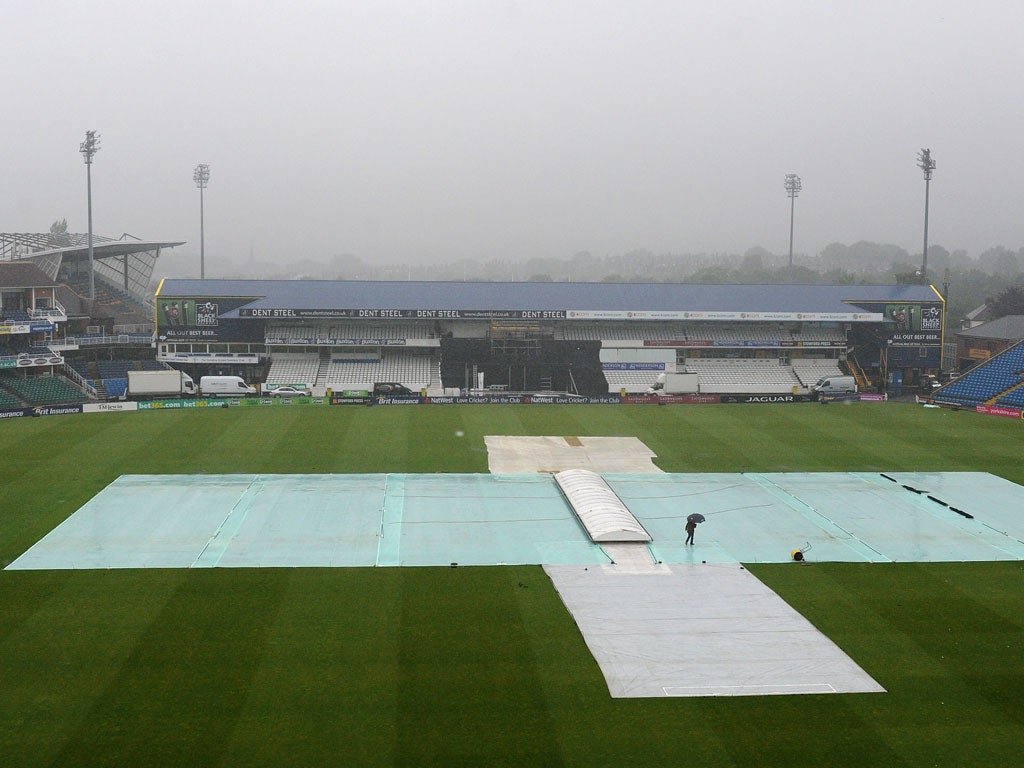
(598, 507)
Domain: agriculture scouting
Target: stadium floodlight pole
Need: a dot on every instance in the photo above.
(202, 177)
(88, 148)
(793, 187)
(926, 164)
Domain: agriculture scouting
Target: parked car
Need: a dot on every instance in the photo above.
(286, 392)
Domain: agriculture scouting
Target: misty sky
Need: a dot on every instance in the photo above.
(419, 131)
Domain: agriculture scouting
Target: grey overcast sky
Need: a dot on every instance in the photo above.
(403, 131)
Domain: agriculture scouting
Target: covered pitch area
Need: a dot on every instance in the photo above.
(642, 607)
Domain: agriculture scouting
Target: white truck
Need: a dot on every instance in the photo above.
(225, 386)
(153, 385)
(675, 384)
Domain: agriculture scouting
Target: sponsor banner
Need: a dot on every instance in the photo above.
(836, 343)
(8, 362)
(323, 341)
(833, 398)
(765, 398)
(14, 413)
(632, 366)
(476, 400)
(572, 399)
(280, 401)
(54, 410)
(915, 339)
(33, 362)
(351, 400)
(677, 343)
(588, 314)
(161, 405)
(12, 329)
(241, 358)
(42, 327)
(398, 400)
(664, 399)
(109, 407)
(872, 398)
(402, 314)
(998, 410)
(819, 317)
(514, 400)
(200, 319)
(745, 344)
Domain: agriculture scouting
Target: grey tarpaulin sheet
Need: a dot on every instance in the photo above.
(700, 630)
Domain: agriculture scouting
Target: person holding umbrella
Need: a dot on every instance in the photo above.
(691, 526)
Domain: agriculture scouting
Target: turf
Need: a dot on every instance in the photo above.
(477, 666)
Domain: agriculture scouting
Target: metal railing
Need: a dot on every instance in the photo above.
(57, 310)
(76, 377)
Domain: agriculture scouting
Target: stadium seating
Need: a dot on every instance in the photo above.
(44, 390)
(112, 375)
(7, 400)
(113, 300)
(741, 334)
(414, 370)
(351, 330)
(293, 368)
(631, 381)
(997, 381)
(808, 371)
(742, 375)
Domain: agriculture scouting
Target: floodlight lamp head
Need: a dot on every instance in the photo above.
(925, 163)
(793, 184)
(202, 175)
(90, 146)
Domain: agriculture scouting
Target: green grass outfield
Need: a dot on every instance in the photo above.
(478, 666)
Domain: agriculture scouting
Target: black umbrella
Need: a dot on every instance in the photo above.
(696, 517)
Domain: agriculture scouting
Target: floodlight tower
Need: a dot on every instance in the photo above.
(926, 164)
(88, 148)
(201, 177)
(793, 187)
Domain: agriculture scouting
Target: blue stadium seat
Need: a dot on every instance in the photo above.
(1001, 374)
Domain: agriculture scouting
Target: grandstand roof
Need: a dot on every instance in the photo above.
(1008, 328)
(23, 275)
(24, 245)
(587, 298)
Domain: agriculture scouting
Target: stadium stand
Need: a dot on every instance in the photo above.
(300, 334)
(809, 370)
(112, 301)
(631, 381)
(740, 374)
(293, 368)
(43, 390)
(414, 370)
(110, 377)
(998, 381)
(587, 338)
(769, 334)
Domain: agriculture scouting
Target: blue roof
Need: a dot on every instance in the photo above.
(585, 297)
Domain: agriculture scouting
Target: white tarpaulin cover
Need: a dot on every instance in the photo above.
(601, 512)
(511, 454)
(700, 630)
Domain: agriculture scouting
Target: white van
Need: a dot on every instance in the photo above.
(830, 386)
(231, 386)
